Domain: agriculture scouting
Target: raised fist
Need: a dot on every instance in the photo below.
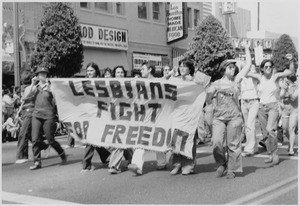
(289, 56)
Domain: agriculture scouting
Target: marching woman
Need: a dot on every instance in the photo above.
(268, 113)
(117, 154)
(180, 162)
(92, 71)
(187, 73)
(27, 108)
(44, 117)
(289, 95)
(227, 118)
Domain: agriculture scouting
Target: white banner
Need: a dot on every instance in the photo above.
(156, 115)
(104, 37)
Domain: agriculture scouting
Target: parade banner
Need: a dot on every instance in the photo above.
(156, 115)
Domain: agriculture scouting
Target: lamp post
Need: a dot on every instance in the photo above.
(16, 45)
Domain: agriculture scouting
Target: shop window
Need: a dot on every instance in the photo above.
(142, 10)
(189, 17)
(196, 17)
(103, 6)
(156, 9)
(120, 8)
(85, 5)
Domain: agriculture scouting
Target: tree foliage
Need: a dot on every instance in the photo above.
(283, 46)
(59, 46)
(210, 46)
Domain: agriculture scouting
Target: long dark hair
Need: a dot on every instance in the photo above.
(95, 67)
(115, 68)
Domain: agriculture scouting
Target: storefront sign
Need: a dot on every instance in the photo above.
(176, 28)
(237, 43)
(104, 37)
(156, 114)
(139, 58)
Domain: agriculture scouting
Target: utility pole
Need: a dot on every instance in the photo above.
(16, 45)
(258, 5)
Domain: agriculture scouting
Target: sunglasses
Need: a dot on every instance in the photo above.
(266, 67)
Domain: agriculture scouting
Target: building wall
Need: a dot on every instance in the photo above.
(144, 36)
(240, 20)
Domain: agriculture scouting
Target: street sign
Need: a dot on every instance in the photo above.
(176, 21)
(228, 7)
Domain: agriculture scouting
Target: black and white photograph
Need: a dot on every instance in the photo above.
(150, 103)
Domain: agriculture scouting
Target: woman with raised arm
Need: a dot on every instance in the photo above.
(268, 113)
(227, 117)
(289, 96)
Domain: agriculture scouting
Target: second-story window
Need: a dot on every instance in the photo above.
(156, 9)
(85, 5)
(196, 17)
(189, 17)
(142, 10)
(120, 8)
(103, 6)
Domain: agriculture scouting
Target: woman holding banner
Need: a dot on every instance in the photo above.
(268, 113)
(180, 162)
(136, 166)
(117, 154)
(92, 71)
(227, 118)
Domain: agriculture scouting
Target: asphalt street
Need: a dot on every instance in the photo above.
(259, 183)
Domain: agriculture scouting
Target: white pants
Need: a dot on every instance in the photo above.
(250, 110)
(138, 158)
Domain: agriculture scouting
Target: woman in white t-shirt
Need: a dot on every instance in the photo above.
(268, 113)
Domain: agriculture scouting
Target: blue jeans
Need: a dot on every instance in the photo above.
(49, 127)
(268, 115)
(226, 136)
(89, 153)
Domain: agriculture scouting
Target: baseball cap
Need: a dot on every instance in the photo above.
(41, 69)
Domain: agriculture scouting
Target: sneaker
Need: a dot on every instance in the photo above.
(37, 165)
(161, 167)
(230, 175)
(291, 153)
(187, 172)
(63, 158)
(176, 170)
(134, 168)
(114, 171)
(263, 144)
(269, 160)
(275, 160)
(21, 161)
(220, 171)
(89, 169)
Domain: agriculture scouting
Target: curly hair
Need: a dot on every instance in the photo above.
(115, 69)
